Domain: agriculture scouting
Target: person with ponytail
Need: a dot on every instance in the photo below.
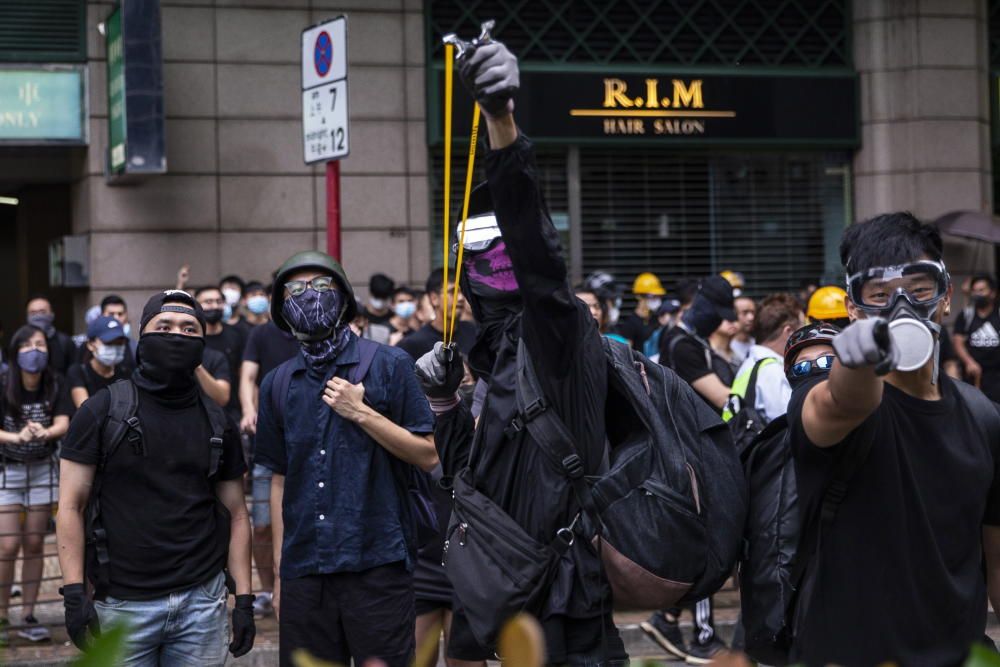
(35, 415)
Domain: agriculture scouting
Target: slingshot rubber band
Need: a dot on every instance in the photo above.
(473, 142)
(449, 68)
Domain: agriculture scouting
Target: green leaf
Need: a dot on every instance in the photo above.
(108, 649)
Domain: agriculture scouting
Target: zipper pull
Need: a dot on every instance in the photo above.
(462, 530)
(444, 553)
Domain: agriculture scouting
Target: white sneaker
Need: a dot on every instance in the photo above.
(33, 631)
(262, 605)
(15, 591)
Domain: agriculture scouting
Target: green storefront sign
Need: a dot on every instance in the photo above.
(116, 93)
(42, 105)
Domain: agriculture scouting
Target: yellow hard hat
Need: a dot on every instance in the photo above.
(734, 278)
(647, 283)
(827, 303)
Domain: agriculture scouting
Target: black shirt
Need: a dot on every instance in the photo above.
(636, 329)
(422, 341)
(230, 343)
(269, 346)
(216, 365)
(159, 510)
(84, 375)
(35, 408)
(982, 340)
(62, 352)
(899, 576)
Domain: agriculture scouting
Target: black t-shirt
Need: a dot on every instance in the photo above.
(62, 352)
(982, 340)
(35, 408)
(636, 329)
(84, 375)
(899, 577)
(269, 346)
(159, 510)
(230, 343)
(421, 341)
(381, 319)
(216, 365)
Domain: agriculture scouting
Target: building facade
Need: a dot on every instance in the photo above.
(676, 137)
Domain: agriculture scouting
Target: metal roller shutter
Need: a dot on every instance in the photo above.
(43, 31)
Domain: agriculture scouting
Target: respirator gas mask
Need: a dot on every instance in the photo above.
(907, 296)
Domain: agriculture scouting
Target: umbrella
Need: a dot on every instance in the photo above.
(971, 225)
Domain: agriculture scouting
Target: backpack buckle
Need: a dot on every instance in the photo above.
(513, 428)
(216, 442)
(573, 466)
(535, 408)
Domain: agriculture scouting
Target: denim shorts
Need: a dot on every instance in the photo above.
(190, 627)
(261, 496)
(29, 484)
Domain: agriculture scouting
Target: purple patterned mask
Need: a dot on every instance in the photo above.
(491, 273)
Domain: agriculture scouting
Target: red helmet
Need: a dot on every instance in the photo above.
(817, 333)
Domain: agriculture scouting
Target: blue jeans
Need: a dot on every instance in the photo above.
(190, 627)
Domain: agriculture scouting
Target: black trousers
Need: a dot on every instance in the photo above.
(359, 615)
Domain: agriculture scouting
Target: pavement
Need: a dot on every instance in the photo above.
(59, 651)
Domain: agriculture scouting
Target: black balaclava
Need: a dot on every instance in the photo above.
(702, 317)
(166, 361)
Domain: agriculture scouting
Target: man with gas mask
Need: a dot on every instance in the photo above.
(896, 573)
(151, 498)
(515, 279)
(340, 425)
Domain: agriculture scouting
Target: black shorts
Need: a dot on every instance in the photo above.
(431, 587)
(359, 615)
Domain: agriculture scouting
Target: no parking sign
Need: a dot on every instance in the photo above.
(324, 91)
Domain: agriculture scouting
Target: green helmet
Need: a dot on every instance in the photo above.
(310, 259)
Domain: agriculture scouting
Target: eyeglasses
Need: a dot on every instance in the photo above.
(320, 284)
(803, 368)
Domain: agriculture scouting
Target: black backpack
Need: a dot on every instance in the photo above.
(414, 482)
(666, 516)
(777, 551)
(122, 425)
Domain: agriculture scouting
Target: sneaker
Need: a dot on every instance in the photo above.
(666, 633)
(15, 591)
(703, 654)
(262, 605)
(4, 633)
(33, 631)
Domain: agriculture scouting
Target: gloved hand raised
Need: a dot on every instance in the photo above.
(489, 72)
(440, 371)
(80, 615)
(867, 343)
(244, 627)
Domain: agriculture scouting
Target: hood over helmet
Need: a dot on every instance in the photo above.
(311, 259)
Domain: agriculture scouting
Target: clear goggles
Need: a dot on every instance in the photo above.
(480, 232)
(923, 283)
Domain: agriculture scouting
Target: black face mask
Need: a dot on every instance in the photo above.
(701, 317)
(980, 301)
(213, 315)
(167, 361)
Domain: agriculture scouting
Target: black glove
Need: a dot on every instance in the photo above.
(440, 371)
(80, 614)
(244, 628)
(489, 72)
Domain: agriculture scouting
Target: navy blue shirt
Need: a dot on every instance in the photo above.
(342, 507)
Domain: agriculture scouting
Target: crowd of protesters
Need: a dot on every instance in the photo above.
(374, 440)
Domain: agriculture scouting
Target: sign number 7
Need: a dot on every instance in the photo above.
(333, 101)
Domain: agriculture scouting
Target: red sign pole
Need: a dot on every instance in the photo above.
(333, 209)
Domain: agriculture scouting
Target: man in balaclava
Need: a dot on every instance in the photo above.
(686, 350)
(159, 487)
(515, 279)
(344, 538)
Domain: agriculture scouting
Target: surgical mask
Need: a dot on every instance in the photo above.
(377, 304)
(614, 312)
(127, 328)
(33, 360)
(654, 304)
(258, 304)
(109, 355)
(232, 296)
(213, 315)
(701, 317)
(44, 322)
(405, 309)
(227, 312)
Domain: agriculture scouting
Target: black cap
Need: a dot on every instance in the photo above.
(720, 293)
(171, 300)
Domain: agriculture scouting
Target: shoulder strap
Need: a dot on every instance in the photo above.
(545, 427)
(367, 349)
(217, 420)
(122, 420)
(750, 396)
(984, 411)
